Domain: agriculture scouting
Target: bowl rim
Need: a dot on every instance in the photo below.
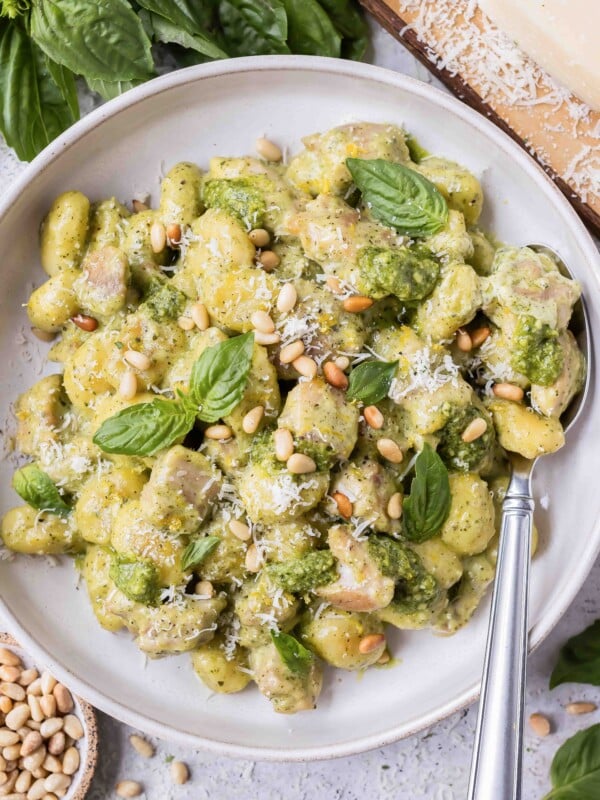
(512, 150)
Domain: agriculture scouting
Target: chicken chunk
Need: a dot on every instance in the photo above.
(102, 285)
(288, 691)
(368, 486)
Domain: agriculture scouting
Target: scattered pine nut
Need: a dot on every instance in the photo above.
(128, 789)
(73, 727)
(394, 506)
(508, 391)
(268, 150)
(138, 206)
(357, 303)
(334, 376)
(31, 743)
(180, 773)
(266, 338)
(539, 724)
(204, 588)
(343, 503)
(6, 704)
(141, 745)
(64, 699)
(306, 366)
(253, 419)
(84, 322)
(28, 676)
(13, 690)
(373, 417)
(474, 430)
(200, 316)
(479, 336)
(48, 705)
(186, 323)
(288, 297)
(262, 322)
(43, 336)
(284, 444)
(16, 718)
(48, 682)
(8, 658)
(291, 352)
(384, 658)
(580, 708)
(173, 233)
(158, 237)
(300, 464)
(269, 260)
(259, 237)
(463, 340)
(51, 726)
(57, 743)
(218, 432)
(253, 559)
(9, 674)
(139, 361)
(240, 530)
(370, 643)
(390, 450)
(334, 285)
(71, 761)
(343, 362)
(128, 385)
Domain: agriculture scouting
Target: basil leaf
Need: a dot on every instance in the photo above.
(294, 655)
(428, 504)
(145, 428)
(37, 488)
(102, 40)
(579, 659)
(138, 580)
(187, 15)
(65, 80)
(310, 31)
(575, 770)
(254, 27)
(220, 375)
(109, 89)
(350, 22)
(33, 110)
(370, 381)
(399, 196)
(197, 551)
(169, 33)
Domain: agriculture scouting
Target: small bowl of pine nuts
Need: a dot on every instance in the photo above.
(48, 737)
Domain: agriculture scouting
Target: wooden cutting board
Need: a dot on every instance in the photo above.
(466, 51)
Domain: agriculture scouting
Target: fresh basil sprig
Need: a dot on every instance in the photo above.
(217, 385)
(197, 551)
(297, 658)
(427, 506)
(399, 196)
(310, 31)
(370, 381)
(579, 659)
(37, 488)
(575, 770)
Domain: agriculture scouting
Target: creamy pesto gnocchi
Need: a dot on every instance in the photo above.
(284, 395)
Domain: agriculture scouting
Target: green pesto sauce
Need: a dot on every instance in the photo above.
(408, 273)
(164, 301)
(416, 595)
(392, 558)
(321, 453)
(417, 153)
(240, 197)
(138, 580)
(416, 588)
(465, 456)
(537, 353)
(302, 574)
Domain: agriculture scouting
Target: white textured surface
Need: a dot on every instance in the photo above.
(433, 764)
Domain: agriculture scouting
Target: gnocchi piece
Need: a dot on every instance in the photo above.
(54, 302)
(336, 636)
(470, 522)
(26, 530)
(460, 187)
(64, 233)
(289, 692)
(180, 194)
(101, 288)
(222, 674)
(524, 431)
(95, 570)
(452, 304)
(100, 500)
(107, 224)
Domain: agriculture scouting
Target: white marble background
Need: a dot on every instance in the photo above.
(433, 764)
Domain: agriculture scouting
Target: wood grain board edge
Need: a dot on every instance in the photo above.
(393, 24)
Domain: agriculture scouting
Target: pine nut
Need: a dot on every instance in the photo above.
(35, 760)
(51, 726)
(394, 506)
(253, 419)
(16, 718)
(71, 760)
(38, 773)
(390, 450)
(37, 791)
(48, 680)
(508, 391)
(33, 725)
(539, 724)
(186, 323)
(259, 237)
(128, 385)
(52, 764)
(343, 362)
(3, 778)
(284, 444)
(43, 336)
(6, 790)
(84, 322)
(373, 417)
(334, 376)
(334, 285)
(141, 745)
(300, 464)
(200, 316)
(291, 352)
(253, 559)
(138, 206)
(35, 688)
(474, 430)
(180, 773)
(580, 708)
(31, 742)
(266, 338)
(479, 336)
(28, 676)
(8, 738)
(6, 704)
(269, 260)
(11, 753)
(48, 705)
(384, 658)
(12, 690)
(218, 432)
(306, 366)
(262, 322)
(357, 303)
(240, 530)
(463, 340)
(173, 232)
(343, 504)
(158, 237)
(370, 643)
(10, 674)
(268, 150)
(8, 658)
(204, 588)
(24, 781)
(139, 361)
(57, 783)
(288, 297)
(57, 743)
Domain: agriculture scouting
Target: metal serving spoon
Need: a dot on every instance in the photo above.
(498, 753)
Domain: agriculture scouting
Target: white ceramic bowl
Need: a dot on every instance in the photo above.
(220, 109)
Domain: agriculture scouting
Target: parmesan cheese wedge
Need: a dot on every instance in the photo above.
(561, 35)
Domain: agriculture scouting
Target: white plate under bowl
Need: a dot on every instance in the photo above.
(220, 109)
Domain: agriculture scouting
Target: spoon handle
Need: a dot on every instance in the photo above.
(497, 758)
